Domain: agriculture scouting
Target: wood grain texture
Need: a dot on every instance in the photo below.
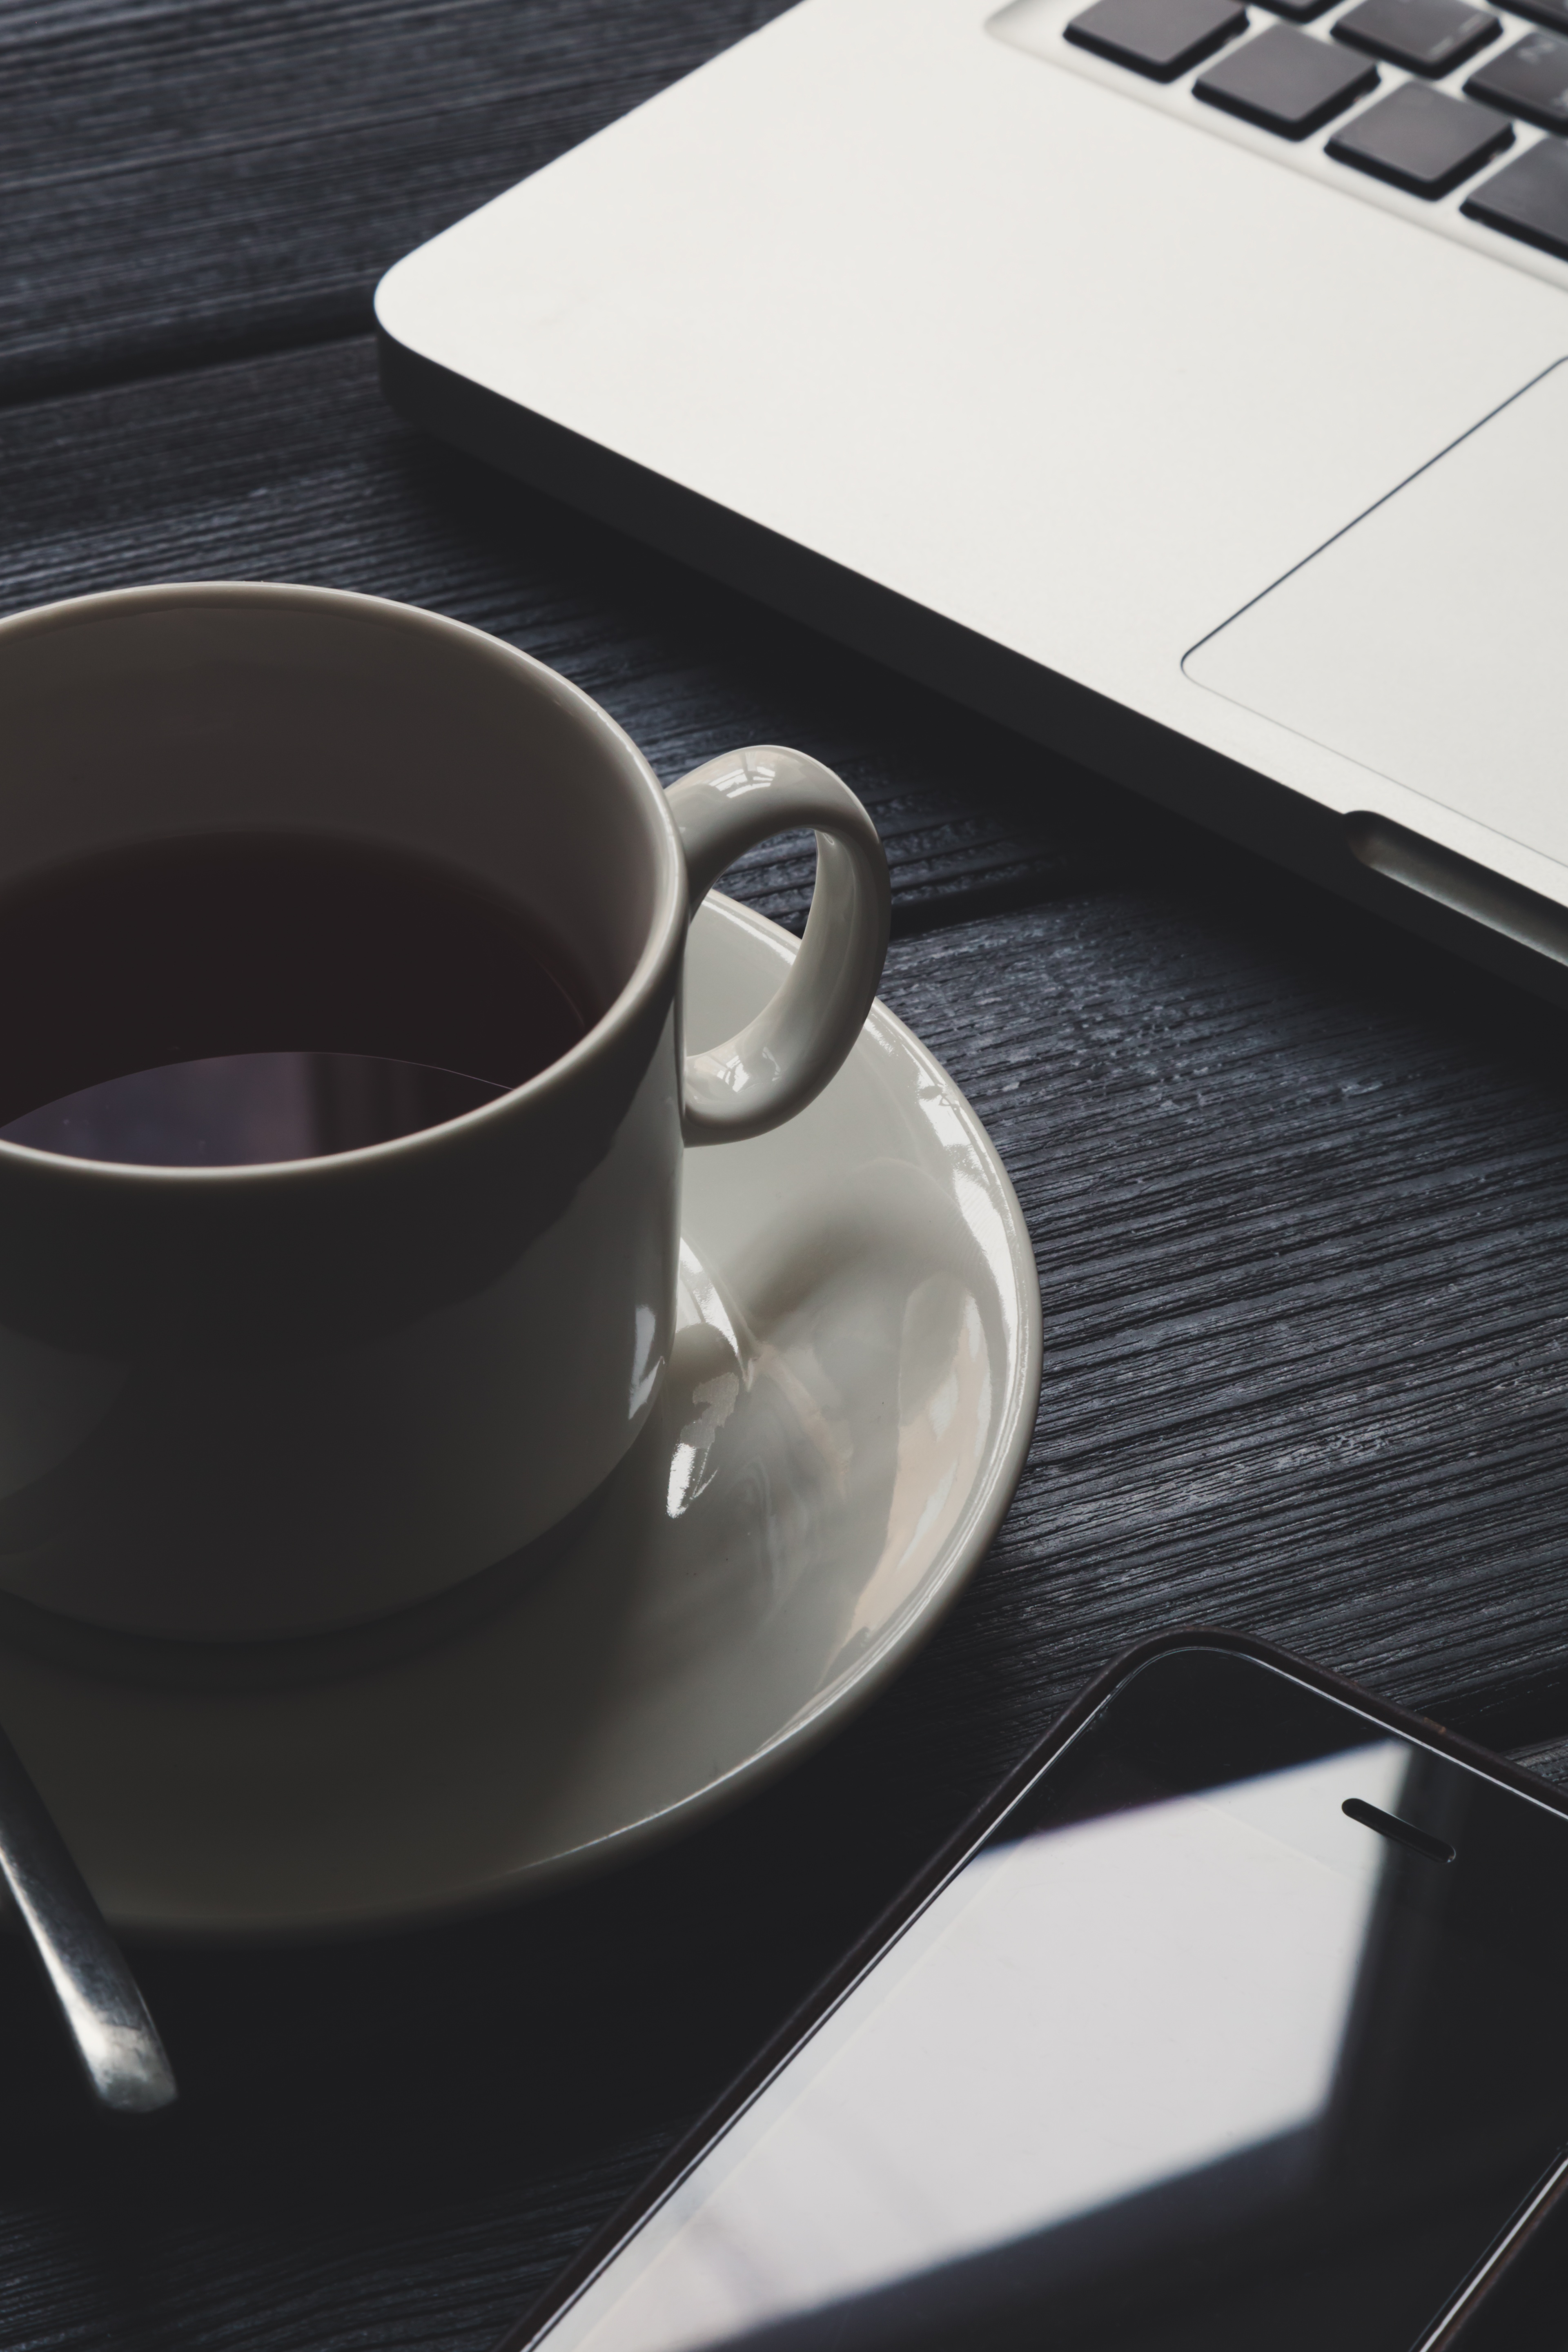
(1298, 1192)
(189, 178)
(292, 467)
(1299, 1198)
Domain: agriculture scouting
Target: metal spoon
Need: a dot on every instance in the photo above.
(108, 2020)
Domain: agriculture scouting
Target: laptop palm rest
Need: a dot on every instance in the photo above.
(1427, 641)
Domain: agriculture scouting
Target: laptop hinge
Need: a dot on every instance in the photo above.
(1455, 882)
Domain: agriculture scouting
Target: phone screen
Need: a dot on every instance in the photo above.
(1184, 2054)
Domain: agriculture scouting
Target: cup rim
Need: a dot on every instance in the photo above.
(666, 928)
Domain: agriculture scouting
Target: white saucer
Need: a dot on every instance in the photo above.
(845, 1417)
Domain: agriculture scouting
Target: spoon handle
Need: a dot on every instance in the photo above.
(109, 2022)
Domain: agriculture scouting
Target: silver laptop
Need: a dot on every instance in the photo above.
(1180, 382)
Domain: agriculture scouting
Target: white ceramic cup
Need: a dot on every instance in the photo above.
(248, 1403)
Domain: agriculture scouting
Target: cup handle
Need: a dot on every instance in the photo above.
(775, 1064)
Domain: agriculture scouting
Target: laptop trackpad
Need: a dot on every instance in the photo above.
(1428, 640)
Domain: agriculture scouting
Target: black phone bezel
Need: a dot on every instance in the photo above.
(1465, 2301)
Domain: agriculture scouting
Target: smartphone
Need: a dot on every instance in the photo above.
(1239, 2017)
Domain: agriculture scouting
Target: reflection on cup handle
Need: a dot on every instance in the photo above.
(775, 1066)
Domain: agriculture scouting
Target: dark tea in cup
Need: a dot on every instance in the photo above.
(246, 999)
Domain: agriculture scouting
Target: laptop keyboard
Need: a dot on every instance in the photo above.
(1425, 96)
(1161, 38)
(1425, 36)
(1421, 140)
(1286, 81)
(1530, 81)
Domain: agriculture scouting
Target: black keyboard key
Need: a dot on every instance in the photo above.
(1425, 36)
(1158, 37)
(1286, 81)
(1301, 12)
(1530, 79)
(1529, 199)
(1422, 139)
(1553, 13)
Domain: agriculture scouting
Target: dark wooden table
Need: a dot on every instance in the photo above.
(1298, 1188)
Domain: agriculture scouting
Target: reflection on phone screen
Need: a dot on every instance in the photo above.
(1182, 2056)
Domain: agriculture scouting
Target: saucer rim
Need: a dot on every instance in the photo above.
(985, 1508)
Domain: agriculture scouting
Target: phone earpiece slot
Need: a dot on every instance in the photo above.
(1389, 1825)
